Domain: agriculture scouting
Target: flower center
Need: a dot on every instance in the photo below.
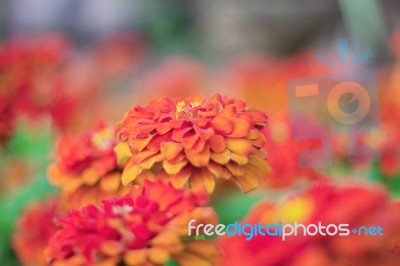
(295, 210)
(103, 139)
(185, 110)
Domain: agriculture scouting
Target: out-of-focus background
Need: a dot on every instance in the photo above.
(65, 65)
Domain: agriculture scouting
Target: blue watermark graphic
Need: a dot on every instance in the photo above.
(342, 103)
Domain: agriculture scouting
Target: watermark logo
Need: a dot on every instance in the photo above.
(342, 103)
(281, 230)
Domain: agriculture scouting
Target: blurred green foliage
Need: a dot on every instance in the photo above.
(34, 147)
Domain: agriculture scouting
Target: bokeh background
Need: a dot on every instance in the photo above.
(65, 65)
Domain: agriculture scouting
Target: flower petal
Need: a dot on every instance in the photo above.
(189, 140)
(222, 125)
(178, 180)
(239, 146)
(141, 156)
(157, 140)
(170, 150)
(260, 163)
(221, 158)
(163, 128)
(241, 128)
(110, 182)
(173, 168)
(138, 144)
(130, 173)
(217, 143)
(190, 259)
(257, 139)
(149, 162)
(158, 255)
(204, 134)
(202, 178)
(123, 152)
(135, 257)
(246, 182)
(235, 169)
(219, 171)
(240, 159)
(198, 159)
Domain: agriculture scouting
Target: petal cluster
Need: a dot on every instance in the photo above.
(146, 227)
(192, 141)
(86, 168)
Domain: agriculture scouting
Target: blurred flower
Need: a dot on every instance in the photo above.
(117, 54)
(33, 230)
(390, 154)
(21, 55)
(259, 80)
(7, 120)
(283, 153)
(389, 134)
(34, 80)
(146, 227)
(262, 80)
(175, 77)
(356, 205)
(86, 168)
(23, 62)
(191, 141)
(13, 173)
(383, 140)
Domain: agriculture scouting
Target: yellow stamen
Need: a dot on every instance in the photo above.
(180, 106)
(103, 138)
(296, 210)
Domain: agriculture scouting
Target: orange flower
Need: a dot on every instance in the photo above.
(33, 231)
(146, 227)
(87, 169)
(356, 205)
(252, 75)
(191, 141)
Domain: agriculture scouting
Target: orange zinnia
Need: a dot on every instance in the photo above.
(191, 141)
(142, 228)
(87, 169)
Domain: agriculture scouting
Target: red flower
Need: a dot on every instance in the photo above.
(7, 119)
(356, 205)
(33, 231)
(146, 227)
(191, 141)
(35, 79)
